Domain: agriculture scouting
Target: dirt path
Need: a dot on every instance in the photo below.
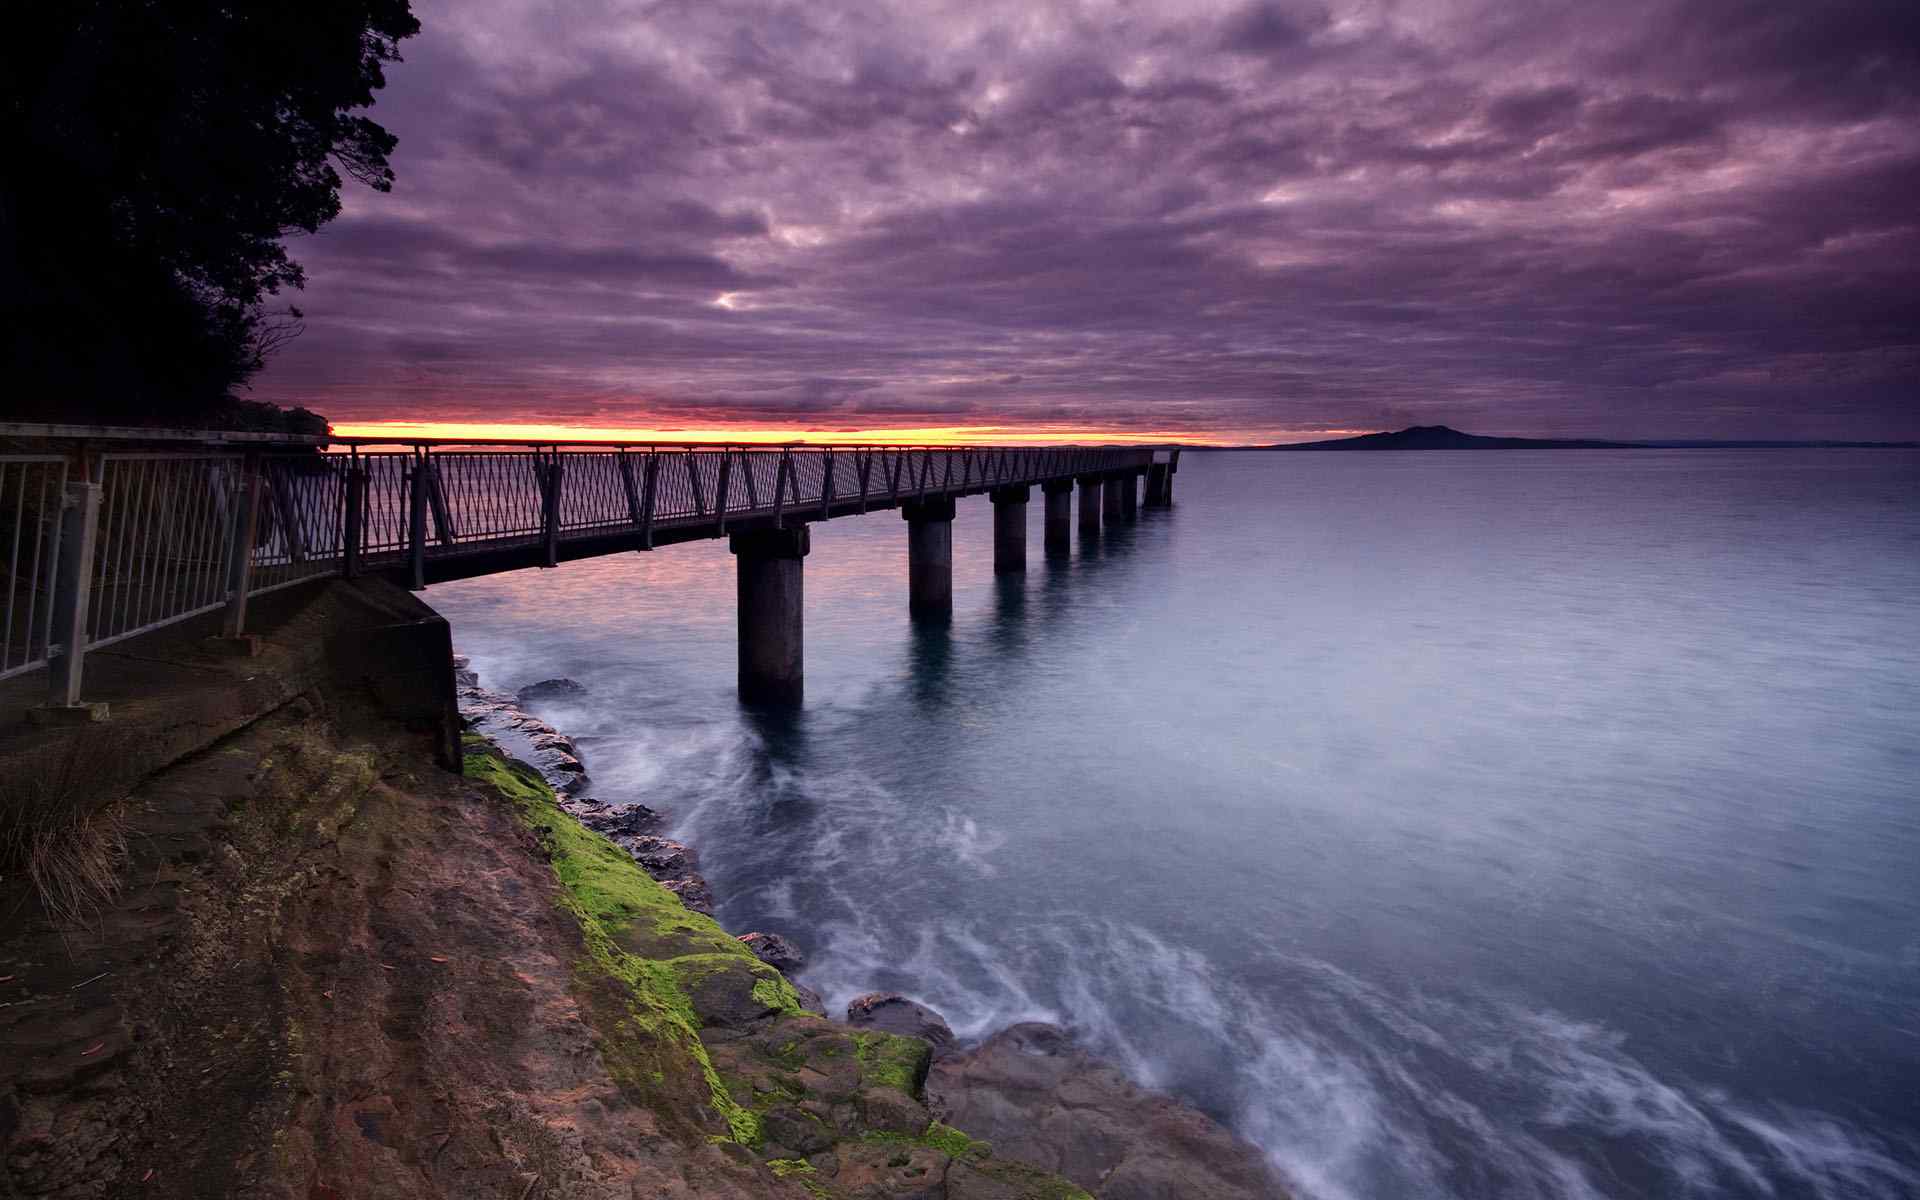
(332, 975)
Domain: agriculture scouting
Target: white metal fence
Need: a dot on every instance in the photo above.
(102, 545)
(32, 490)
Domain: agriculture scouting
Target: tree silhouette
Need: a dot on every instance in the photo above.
(158, 154)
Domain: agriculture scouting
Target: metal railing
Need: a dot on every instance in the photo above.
(436, 501)
(32, 490)
(105, 544)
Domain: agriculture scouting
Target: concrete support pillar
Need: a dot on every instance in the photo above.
(1092, 492)
(1159, 486)
(1110, 501)
(1129, 496)
(1059, 522)
(769, 613)
(929, 557)
(1010, 528)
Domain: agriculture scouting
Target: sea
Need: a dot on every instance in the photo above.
(1464, 825)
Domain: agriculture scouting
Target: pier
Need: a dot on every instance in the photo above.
(111, 533)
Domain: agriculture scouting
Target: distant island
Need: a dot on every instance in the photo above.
(1442, 437)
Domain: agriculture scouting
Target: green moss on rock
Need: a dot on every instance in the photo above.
(656, 1037)
(944, 1138)
(655, 974)
(953, 1142)
(889, 1060)
(1029, 1183)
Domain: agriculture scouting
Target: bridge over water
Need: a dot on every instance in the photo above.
(106, 534)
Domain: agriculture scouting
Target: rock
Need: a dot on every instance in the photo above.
(463, 673)
(895, 1171)
(887, 1110)
(890, 1012)
(810, 1000)
(549, 689)
(796, 1130)
(558, 743)
(775, 951)
(693, 892)
(670, 862)
(631, 820)
(662, 858)
(479, 704)
(728, 994)
(1039, 1098)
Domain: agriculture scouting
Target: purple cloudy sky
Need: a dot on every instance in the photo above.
(1689, 218)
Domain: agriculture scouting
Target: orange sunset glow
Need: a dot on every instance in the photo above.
(925, 435)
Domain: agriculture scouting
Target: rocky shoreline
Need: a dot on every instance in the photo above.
(1030, 1089)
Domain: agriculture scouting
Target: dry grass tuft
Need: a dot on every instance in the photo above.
(64, 828)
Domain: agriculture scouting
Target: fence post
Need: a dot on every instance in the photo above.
(753, 488)
(629, 486)
(650, 490)
(246, 524)
(417, 521)
(73, 583)
(355, 522)
(693, 478)
(552, 515)
(437, 504)
(779, 489)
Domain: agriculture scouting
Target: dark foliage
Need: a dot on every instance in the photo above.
(157, 155)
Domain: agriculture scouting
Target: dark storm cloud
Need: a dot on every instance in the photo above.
(1655, 217)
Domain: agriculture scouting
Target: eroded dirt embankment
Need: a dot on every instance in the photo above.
(337, 970)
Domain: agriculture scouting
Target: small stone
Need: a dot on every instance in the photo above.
(549, 689)
(890, 1012)
(630, 820)
(662, 858)
(556, 742)
(693, 892)
(775, 951)
(810, 1000)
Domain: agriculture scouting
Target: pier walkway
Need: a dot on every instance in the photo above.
(106, 534)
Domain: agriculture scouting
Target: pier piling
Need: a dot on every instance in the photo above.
(929, 557)
(770, 605)
(1010, 528)
(1159, 492)
(1092, 493)
(1058, 495)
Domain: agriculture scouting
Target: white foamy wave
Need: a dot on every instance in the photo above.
(1356, 1092)
(1836, 1160)
(969, 844)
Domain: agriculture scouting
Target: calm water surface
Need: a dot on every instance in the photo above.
(1456, 825)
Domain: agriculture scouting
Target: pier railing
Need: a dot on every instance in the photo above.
(107, 538)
